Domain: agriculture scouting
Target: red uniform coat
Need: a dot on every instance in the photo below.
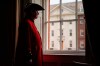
(29, 41)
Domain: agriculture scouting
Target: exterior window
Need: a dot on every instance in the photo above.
(81, 32)
(70, 32)
(52, 32)
(70, 22)
(52, 23)
(81, 22)
(82, 45)
(70, 43)
(52, 43)
(81, 8)
(63, 17)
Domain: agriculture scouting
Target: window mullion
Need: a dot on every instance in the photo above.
(76, 15)
(60, 25)
(48, 24)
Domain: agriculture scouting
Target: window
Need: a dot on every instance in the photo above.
(70, 22)
(52, 23)
(81, 19)
(52, 32)
(52, 43)
(70, 43)
(62, 20)
(81, 22)
(81, 32)
(81, 8)
(70, 32)
(82, 45)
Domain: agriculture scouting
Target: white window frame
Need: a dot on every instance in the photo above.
(47, 52)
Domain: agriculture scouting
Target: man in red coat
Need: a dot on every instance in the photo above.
(29, 47)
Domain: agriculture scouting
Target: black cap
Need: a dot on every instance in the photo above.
(33, 7)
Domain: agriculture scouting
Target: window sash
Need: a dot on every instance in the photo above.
(63, 52)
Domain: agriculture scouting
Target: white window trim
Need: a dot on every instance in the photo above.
(57, 52)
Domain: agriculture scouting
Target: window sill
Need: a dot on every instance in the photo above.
(73, 53)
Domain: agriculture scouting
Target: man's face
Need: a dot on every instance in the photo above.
(35, 14)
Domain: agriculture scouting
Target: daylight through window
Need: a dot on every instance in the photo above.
(64, 28)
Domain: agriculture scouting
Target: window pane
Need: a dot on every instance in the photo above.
(82, 45)
(81, 32)
(80, 9)
(53, 34)
(69, 10)
(63, 27)
(54, 10)
(67, 39)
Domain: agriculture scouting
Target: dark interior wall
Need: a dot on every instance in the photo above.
(7, 32)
